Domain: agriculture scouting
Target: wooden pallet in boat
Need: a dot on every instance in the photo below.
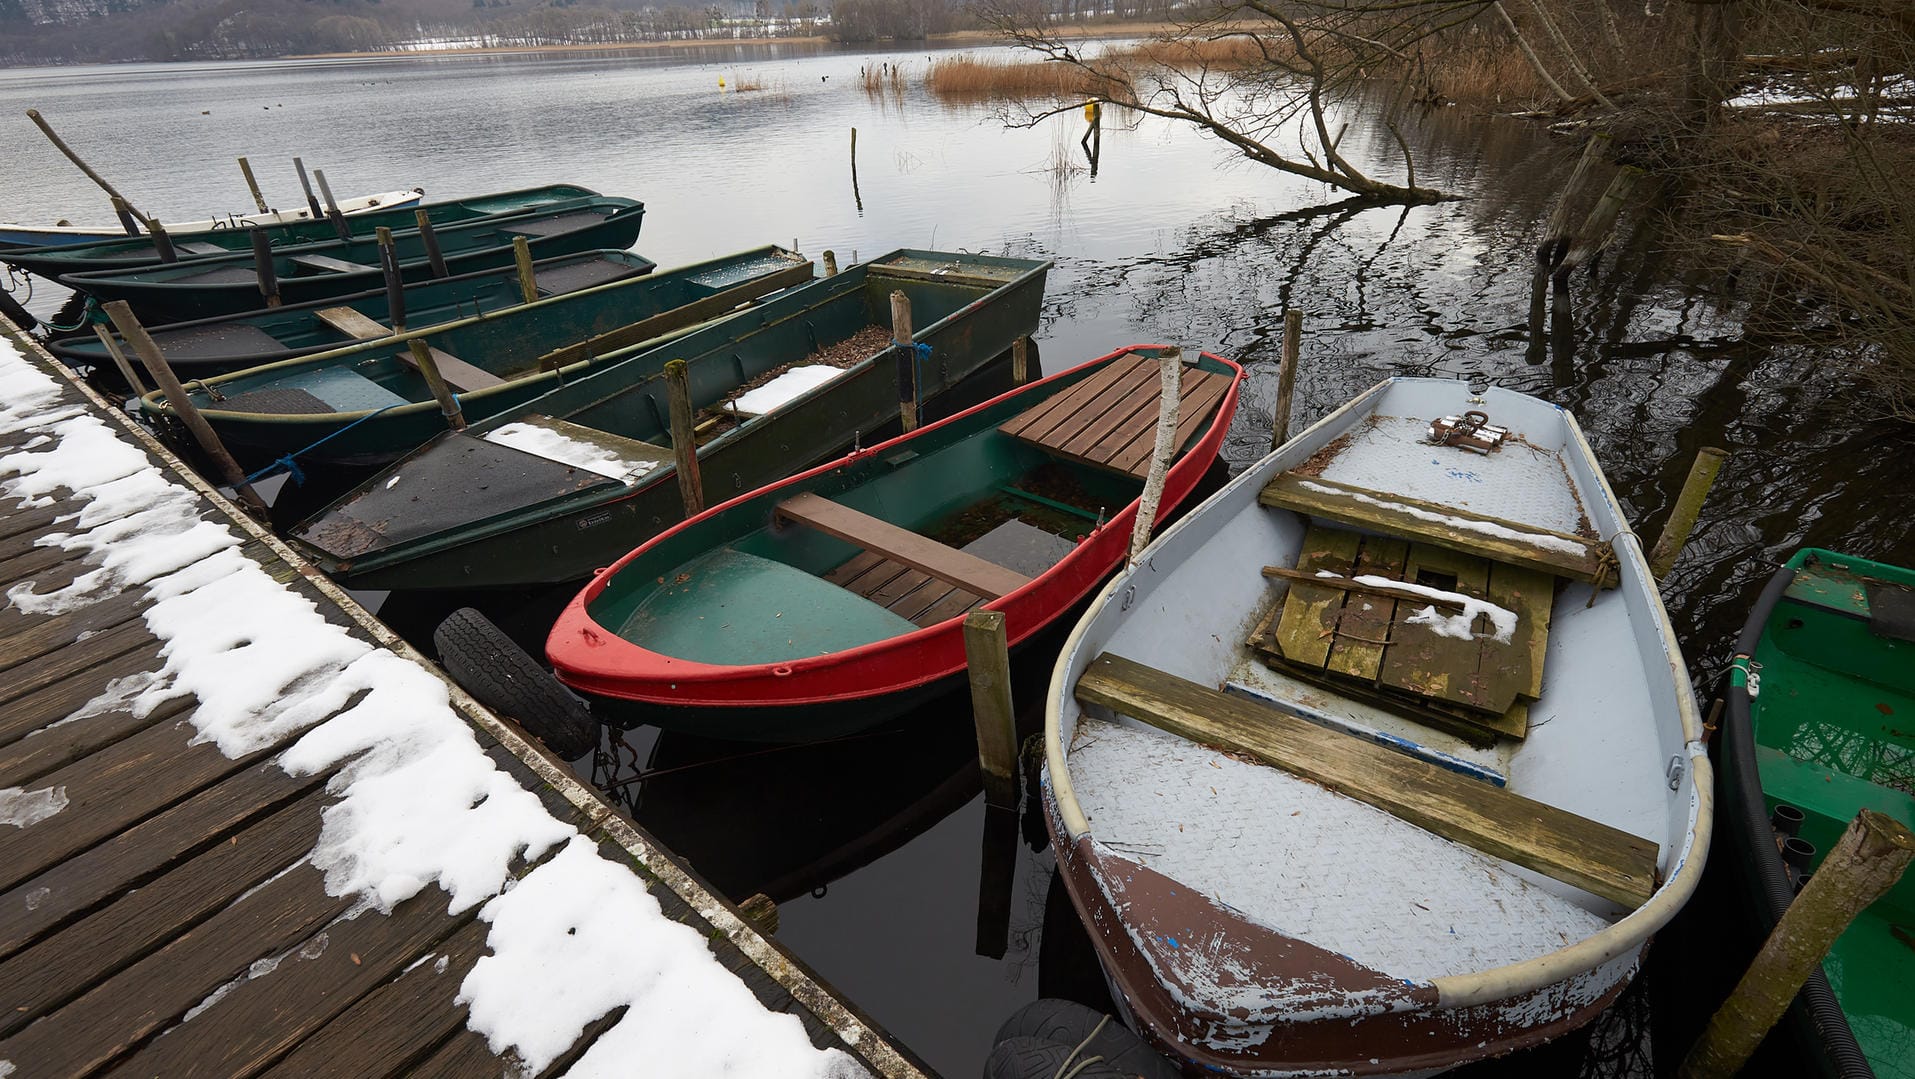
(1110, 419)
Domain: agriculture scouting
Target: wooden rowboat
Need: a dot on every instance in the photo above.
(369, 403)
(228, 284)
(1303, 837)
(13, 235)
(200, 348)
(829, 602)
(1823, 674)
(549, 490)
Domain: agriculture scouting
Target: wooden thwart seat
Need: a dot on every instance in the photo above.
(351, 323)
(328, 264)
(199, 247)
(1576, 557)
(1602, 860)
(1110, 419)
(691, 314)
(458, 374)
(946, 563)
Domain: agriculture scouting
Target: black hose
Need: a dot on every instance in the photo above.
(1843, 1057)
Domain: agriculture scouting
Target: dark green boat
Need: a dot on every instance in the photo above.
(204, 347)
(1821, 725)
(138, 251)
(228, 284)
(367, 404)
(555, 487)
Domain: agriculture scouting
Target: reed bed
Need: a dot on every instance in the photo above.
(883, 78)
(971, 78)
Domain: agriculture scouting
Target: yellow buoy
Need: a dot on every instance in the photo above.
(1090, 112)
(721, 82)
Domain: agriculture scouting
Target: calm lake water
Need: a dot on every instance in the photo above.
(872, 846)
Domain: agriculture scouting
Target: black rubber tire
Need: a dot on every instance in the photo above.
(499, 675)
(1033, 1058)
(1066, 1023)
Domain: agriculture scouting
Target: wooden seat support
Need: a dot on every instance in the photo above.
(328, 264)
(946, 563)
(1595, 857)
(351, 323)
(458, 374)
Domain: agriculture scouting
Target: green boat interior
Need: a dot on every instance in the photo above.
(1834, 726)
(890, 544)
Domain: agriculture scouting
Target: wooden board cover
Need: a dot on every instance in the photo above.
(946, 563)
(1109, 419)
(352, 323)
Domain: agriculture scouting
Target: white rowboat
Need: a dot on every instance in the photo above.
(63, 235)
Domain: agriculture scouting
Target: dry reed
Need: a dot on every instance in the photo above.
(971, 78)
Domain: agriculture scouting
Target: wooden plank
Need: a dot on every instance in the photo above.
(25, 760)
(397, 1025)
(34, 561)
(929, 606)
(1195, 402)
(40, 904)
(328, 264)
(1307, 627)
(64, 965)
(458, 374)
(1120, 423)
(118, 1013)
(15, 521)
(901, 545)
(1088, 400)
(462, 1056)
(1602, 860)
(1364, 626)
(39, 673)
(678, 318)
(45, 634)
(1045, 415)
(49, 704)
(1532, 595)
(847, 573)
(1396, 515)
(1430, 664)
(251, 1026)
(352, 323)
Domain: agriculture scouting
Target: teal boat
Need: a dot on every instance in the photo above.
(367, 403)
(200, 348)
(1821, 724)
(552, 488)
(129, 252)
(227, 284)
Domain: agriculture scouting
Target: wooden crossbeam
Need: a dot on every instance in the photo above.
(946, 563)
(1605, 861)
(353, 324)
(328, 264)
(691, 314)
(458, 374)
(1559, 553)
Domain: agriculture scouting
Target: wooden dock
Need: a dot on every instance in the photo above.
(161, 909)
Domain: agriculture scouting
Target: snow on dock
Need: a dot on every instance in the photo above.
(244, 829)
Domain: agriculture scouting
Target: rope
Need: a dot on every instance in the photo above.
(923, 352)
(291, 466)
(1064, 1070)
(90, 313)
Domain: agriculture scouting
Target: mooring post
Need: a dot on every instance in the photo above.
(395, 289)
(1682, 519)
(522, 254)
(252, 185)
(430, 239)
(1598, 225)
(1867, 861)
(162, 242)
(996, 882)
(125, 213)
(1170, 370)
(120, 361)
(761, 911)
(691, 487)
(305, 186)
(1556, 232)
(142, 344)
(332, 206)
(907, 353)
(429, 367)
(831, 263)
(855, 197)
(1021, 360)
(60, 145)
(987, 657)
(263, 268)
(1286, 377)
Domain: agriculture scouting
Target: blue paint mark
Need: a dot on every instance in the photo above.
(1172, 941)
(1461, 474)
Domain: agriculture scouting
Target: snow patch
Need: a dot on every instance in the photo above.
(553, 446)
(1487, 528)
(23, 808)
(786, 388)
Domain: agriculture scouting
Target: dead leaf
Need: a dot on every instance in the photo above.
(355, 958)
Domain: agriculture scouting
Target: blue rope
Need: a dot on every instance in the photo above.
(923, 353)
(291, 466)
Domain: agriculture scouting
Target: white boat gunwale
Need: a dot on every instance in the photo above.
(1639, 593)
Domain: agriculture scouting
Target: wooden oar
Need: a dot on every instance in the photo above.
(60, 145)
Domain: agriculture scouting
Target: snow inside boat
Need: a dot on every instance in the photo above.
(1383, 759)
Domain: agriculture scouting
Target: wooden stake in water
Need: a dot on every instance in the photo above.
(429, 367)
(907, 354)
(1021, 360)
(252, 185)
(831, 263)
(182, 405)
(855, 197)
(1286, 377)
(305, 186)
(263, 268)
(522, 254)
(162, 242)
(987, 659)
(1682, 519)
(395, 289)
(1867, 861)
(60, 145)
(430, 240)
(684, 437)
(332, 206)
(1170, 370)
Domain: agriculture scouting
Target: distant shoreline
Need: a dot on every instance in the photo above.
(953, 37)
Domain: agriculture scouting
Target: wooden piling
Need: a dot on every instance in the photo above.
(149, 353)
(395, 290)
(1556, 232)
(761, 911)
(60, 145)
(162, 242)
(128, 222)
(1682, 519)
(855, 197)
(1596, 228)
(429, 367)
(987, 659)
(691, 489)
(907, 353)
(1867, 861)
(430, 239)
(332, 206)
(252, 185)
(1021, 360)
(263, 268)
(311, 202)
(831, 263)
(120, 361)
(996, 881)
(522, 254)
(1286, 377)
(1170, 370)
